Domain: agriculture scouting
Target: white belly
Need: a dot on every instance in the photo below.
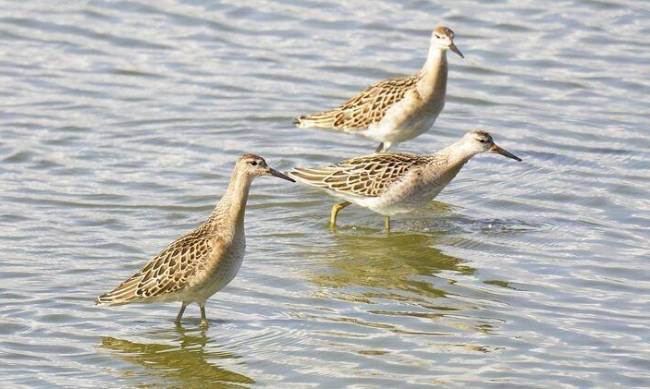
(405, 121)
(392, 204)
(413, 192)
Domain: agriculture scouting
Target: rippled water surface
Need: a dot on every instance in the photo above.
(120, 122)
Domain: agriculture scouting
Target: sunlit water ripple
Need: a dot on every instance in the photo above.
(120, 124)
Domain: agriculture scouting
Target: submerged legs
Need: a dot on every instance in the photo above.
(180, 313)
(204, 319)
(335, 211)
(339, 206)
(383, 147)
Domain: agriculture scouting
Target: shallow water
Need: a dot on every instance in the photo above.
(120, 124)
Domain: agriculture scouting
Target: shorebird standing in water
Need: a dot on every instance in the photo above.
(199, 264)
(396, 183)
(395, 110)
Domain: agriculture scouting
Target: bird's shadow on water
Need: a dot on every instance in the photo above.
(182, 359)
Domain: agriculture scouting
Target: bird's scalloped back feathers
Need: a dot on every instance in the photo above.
(166, 273)
(367, 176)
(364, 109)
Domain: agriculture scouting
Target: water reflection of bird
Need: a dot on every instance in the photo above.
(388, 266)
(184, 360)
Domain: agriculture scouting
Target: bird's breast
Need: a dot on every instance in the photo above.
(409, 118)
(222, 269)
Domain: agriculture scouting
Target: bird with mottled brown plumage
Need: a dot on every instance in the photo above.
(398, 109)
(396, 183)
(198, 264)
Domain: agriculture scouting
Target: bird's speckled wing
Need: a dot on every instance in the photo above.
(167, 273)
(364, 109)
(367, 176)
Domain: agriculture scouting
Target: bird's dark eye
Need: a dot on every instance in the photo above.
(483, 140)
(438, 36)
(254, 163)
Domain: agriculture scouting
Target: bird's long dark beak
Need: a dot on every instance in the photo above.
(453, 48)
(276, 173)
(505, 153)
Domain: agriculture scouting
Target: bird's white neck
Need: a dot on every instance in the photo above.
(434, 73)
(232, 206)
(458, 153)
(453, 158)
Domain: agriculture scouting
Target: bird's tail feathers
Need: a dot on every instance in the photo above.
(125, 293)
(325, 119)
(310, 176)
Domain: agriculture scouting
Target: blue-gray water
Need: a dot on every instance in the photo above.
(119, 125)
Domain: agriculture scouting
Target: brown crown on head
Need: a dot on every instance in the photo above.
(483, 134)
(250, 156)
(442, 30)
